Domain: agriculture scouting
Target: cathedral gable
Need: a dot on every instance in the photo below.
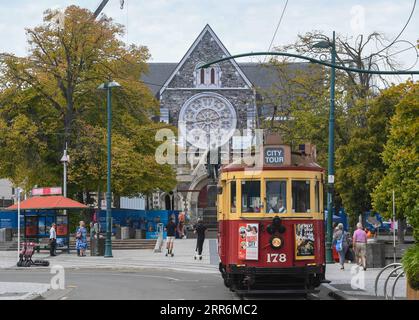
(207, 47)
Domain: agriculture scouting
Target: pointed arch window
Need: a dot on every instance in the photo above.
(212, 76)
(202, 77)
(208, 78)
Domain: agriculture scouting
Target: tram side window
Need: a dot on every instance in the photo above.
(301, 196)
(233, 196)
(276, 196)
(317, 195)
(251, 196)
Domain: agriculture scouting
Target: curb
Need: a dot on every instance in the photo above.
(336, 293)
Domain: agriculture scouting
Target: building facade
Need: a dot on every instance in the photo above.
(219, 99)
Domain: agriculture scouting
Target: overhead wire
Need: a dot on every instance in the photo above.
(277, 27)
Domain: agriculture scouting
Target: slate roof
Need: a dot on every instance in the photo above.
(260, 75)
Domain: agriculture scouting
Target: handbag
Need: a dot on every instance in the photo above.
(339, 243)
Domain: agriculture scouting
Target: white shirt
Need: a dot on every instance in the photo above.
(52, 233)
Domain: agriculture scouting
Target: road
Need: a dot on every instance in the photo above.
(135, 285)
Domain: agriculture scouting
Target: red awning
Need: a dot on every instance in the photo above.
(49, 203)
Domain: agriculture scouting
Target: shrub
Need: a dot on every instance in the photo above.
(410, 263)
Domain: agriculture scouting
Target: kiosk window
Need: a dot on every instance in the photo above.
(317, 196)
(233, 196)
(301, 196)
(276, 196)
(251, 196)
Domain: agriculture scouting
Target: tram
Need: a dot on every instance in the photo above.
(271, 222)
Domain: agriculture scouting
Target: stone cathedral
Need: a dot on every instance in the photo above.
(221, 97)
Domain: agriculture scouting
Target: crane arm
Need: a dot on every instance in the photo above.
(103, 5)
(100, 8)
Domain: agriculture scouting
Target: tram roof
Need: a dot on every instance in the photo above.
(299, 162)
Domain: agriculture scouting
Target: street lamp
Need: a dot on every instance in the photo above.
(331, 155)
(65, 160)
(18, 190)
(108, 244)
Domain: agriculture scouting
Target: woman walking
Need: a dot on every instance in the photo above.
(81, 239)
(340, 240)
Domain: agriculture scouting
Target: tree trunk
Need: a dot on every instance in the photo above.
(400, 230)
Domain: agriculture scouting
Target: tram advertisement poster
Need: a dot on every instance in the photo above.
(304, 241)
(248, 241)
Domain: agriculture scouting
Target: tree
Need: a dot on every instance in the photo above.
(50, 98)
(300, 111)
(401, 155)
(359, 161)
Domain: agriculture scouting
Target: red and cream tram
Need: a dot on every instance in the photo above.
(271, 222)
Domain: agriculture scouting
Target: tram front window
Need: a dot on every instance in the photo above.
(251, 196)
(300, 196)
(276, 196)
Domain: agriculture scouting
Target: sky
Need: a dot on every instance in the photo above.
(169, 27)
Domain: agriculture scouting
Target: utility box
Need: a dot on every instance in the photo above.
(97, 247)
(124, 233)
(375, 255)
(2, 235)
(9, 235)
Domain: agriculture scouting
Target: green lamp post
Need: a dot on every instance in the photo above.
(108, 243)
(331, 151)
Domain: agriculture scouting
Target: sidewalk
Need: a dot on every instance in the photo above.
(133, 259)
(343, 280)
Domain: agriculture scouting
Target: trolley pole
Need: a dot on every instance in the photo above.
(331, 158)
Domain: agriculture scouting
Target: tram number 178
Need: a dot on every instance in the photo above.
(276, 258)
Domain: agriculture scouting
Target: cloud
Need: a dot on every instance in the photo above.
(169, 27)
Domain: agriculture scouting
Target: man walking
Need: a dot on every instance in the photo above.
(171, 234)
(360, 246)
(200, 229)
(52, 240)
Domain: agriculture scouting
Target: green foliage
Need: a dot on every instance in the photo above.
(50, 98)
(359, 162)
(401, 156)
(410, 263)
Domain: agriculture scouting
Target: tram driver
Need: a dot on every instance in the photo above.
(278, 208)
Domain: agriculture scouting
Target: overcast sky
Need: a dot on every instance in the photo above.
(168, 27)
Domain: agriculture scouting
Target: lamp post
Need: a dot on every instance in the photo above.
(65, 160)
(18, 190)
(108, 243)
(331, 152)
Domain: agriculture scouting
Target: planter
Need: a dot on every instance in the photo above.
(411, 294)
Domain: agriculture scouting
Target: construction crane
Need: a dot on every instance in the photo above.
(103, 5)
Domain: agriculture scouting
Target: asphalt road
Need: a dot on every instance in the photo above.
(138, 285)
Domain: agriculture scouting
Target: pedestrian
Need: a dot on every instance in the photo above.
(340, 240)
(52, 240)
(81, 239)
(181, 225)
(359, 241)
(171, 235)
(199, 230)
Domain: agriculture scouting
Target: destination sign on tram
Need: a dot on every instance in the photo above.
(274, 156)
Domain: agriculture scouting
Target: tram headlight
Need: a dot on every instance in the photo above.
(276, 243)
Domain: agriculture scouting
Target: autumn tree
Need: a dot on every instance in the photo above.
(50, 98)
